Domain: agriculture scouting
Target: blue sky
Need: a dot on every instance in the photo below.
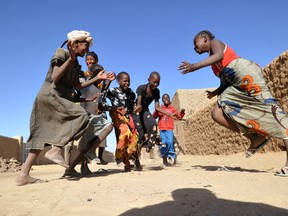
(129, 35)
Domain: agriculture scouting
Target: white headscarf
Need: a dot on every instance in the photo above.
(80, 35)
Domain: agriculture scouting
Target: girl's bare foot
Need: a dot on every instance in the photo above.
(257, 143)
(23, 180)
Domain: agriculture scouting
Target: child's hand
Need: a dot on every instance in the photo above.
(71, 48)
(105, 76)
(138, 109)
(175, 116)
(96, 96)
(111, 76)
(122, 110)
(186, 67)
(211, 94)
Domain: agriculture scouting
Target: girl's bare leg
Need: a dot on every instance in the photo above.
(284, 170)
(95, 142)
(84, 167)
(24, 177)
(285, 141)
(219, 117)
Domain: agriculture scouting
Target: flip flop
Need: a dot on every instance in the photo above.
(102, 171)
(85, 172)
(251, 151)
(102, 162)
(71, 174)
(283, 172)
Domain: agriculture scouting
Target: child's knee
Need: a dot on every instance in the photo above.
(109, 128)
(217, 114)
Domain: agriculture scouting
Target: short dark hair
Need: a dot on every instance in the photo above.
(206, 32)
(121, 74)
(166, 95)
(93, 54)
(154, 73)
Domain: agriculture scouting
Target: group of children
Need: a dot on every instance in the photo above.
(57, 120)
(132, 119)
(130, 116)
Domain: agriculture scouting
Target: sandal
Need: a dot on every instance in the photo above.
(251, 151)
(138, 166)
(283, 172)
(71, 174)
(127, 168)
(85, 171)
(101, 170)
(102, 162)
(148, 148)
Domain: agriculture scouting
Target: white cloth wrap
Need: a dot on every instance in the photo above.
(80, 35)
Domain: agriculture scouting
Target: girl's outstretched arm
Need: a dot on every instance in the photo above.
(98, 78)
(216, 55)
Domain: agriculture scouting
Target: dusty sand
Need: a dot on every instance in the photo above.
(200, 185)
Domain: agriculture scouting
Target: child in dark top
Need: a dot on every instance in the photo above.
(166, 127)
(122, 99)
(144, 120)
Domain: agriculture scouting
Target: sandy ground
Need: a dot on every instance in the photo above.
(200, 185)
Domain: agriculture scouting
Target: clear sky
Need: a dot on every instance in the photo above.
(137, 36)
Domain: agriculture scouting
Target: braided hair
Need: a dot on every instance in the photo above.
(64, 43)
(207, 33)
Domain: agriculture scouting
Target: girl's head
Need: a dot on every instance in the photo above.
(123, 80)
(79, 41)
(202, 41)
(154, 80)
(166, 99)
(91, 59)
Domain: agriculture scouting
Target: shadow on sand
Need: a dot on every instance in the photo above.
(188, 201)
(226, 168)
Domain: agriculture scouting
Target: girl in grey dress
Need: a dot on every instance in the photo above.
(55, 118)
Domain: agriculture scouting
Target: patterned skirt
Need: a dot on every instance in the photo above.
(97, 124)
(126, 135)
(248, 101)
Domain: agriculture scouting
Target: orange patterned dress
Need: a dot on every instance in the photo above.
(248, 101)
